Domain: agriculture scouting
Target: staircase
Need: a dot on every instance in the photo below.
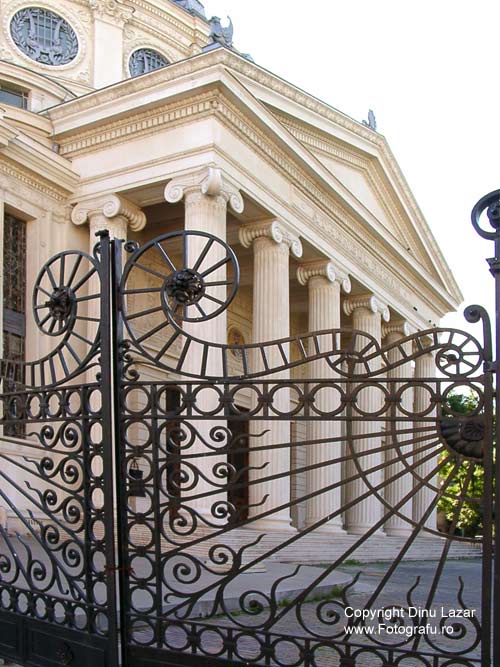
(324, 548)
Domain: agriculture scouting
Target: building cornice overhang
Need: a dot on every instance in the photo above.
(216, 70)
(30, 155)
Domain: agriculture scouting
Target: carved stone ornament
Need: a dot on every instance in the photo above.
(109, 206)
(368, 301)
(211, 182)
(112, 10)
(326, 269)
(274, 230)
(400, 327)
(44, 36)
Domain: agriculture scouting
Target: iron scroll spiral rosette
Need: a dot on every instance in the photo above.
(66, 305)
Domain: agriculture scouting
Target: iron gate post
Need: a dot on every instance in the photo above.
(490, 204)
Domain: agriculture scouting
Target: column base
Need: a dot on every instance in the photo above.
(330, 528)
(361, 529)
(398, 532)
(270, 525)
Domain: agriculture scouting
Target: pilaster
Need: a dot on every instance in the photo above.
(110, 17)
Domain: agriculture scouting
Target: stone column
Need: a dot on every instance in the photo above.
(367, 314)
(271, 243)
(425, 372)
(398, 454)
(324, 283)
(207, 193)
(109, 212)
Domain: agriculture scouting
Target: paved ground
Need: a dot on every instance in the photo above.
(317, 622)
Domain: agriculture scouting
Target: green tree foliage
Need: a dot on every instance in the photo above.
(470, 518)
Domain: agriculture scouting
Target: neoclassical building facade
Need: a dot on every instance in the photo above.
(141, 118)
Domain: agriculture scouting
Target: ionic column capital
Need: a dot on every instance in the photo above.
(108, 207)
(325, 269)
(369, 302)
(274, 230)
(209, 181)
(400, 328)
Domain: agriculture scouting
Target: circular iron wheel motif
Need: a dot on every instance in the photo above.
(177, 275)
(61, 284)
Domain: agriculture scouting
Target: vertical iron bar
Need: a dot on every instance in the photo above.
(107, 447)
(495, 269)
(120, 450)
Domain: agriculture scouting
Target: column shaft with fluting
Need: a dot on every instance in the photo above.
(206, 195)
(399, 439)
(323, 435)
(271, 320)
(425, 369)
(367, 314)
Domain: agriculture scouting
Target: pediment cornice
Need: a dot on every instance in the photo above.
(374, 174)
(316, 195)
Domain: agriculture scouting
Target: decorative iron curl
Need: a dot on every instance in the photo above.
(491, 204)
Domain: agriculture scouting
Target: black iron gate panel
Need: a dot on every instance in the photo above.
(213, 570)
(57, 581)
(168, 499)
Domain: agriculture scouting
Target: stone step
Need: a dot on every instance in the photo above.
(320, 548)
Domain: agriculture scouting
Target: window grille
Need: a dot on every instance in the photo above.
(44, 36)
(145, 60)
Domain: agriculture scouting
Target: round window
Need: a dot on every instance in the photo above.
(44, 36)
(145, 60)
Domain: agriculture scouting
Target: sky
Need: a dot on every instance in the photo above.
(430, 71)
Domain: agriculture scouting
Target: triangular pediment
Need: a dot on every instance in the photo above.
(364, 176)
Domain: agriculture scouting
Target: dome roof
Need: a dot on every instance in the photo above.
(193, 6)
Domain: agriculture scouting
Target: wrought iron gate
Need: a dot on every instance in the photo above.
(148, 476)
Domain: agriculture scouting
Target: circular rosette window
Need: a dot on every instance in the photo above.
(175, 278)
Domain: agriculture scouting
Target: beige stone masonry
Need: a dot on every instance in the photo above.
(398, 455)
(367, 312)
(323, 437)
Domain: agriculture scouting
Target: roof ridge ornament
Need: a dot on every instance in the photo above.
(371, 122)
(220, 33)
